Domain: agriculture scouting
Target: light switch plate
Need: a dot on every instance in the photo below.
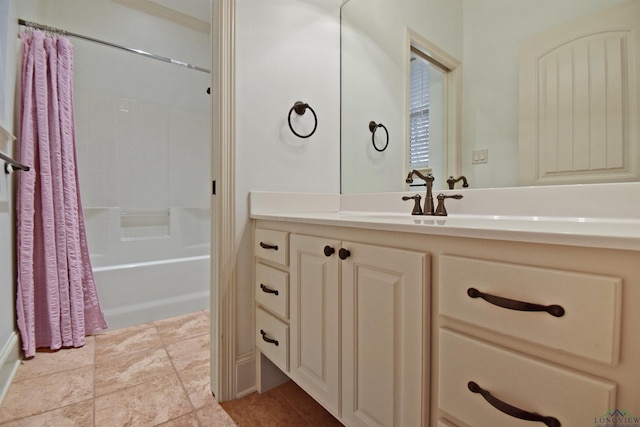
(480, 156)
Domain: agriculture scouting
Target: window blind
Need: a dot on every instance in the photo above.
(419, 114)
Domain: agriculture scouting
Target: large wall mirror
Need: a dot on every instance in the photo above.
(545, 92)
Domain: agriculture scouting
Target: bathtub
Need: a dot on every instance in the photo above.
(149, 265)
(137, 293)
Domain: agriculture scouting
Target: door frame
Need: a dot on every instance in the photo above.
(223, 261)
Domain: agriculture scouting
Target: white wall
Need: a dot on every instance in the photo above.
(374, 74)
(9, 343)
(490, 80)
(142, 125)
(286, 51)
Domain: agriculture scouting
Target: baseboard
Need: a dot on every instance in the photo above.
(245, 374)
(9, 362)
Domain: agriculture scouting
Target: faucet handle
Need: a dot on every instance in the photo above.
(452, 181)
(441, 210)
(417, 210)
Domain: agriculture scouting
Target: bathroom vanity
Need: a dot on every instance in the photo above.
(389, 319)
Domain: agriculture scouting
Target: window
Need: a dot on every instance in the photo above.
(433, 92)
(418, 114)
(426, 111)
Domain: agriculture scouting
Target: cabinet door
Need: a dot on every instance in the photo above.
(314, 318)
(384, 294)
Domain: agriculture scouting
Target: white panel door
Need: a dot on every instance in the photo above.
(579, 100)
(384, 336)
(315, 315)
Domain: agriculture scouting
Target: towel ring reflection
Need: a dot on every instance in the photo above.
(300, 108)
(373, 127)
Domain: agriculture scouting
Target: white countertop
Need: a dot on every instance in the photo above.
(621, 232)
(613, 234)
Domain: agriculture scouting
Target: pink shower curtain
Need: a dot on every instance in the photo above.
(57, 302)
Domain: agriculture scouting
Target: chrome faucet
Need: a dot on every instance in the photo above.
(428, 200)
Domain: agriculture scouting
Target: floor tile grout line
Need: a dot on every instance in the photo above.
(163, 347)
(92, 366)
(44, 412)
(294, 407)
(43, 355)
(175, 370)
(50, 409)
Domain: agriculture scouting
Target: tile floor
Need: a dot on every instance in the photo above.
(155, 374)
(284, 406)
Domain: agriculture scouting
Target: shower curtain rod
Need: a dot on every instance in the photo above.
(36, 26)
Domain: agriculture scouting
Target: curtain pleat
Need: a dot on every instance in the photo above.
(57, 301)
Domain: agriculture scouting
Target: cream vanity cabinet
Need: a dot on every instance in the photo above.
(525, 345)
(315, 318)
(271, 286)
(428, 329)
(357, 328)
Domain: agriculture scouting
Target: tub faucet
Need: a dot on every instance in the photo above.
(452, 181)
(428, 200)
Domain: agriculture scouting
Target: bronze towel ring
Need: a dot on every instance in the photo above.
(300, 108)
(373, 127)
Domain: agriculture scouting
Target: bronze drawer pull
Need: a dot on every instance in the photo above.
(268, 290)
(268, 246)
(512, 410)
(511, 304)
(344, 253)
(267, 339)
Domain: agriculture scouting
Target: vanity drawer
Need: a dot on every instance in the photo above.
(272, 245)
(525, 383)
(272, 337)
(589, 327)
(272, 290)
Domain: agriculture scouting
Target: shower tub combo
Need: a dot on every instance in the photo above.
(143, 130)
(149, 265)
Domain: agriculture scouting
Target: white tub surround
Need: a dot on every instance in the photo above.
(593, 215)
(527, 294)
(149, 265)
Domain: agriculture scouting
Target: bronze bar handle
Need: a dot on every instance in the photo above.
(344, 253)
(512, 410)
(511, 304)
(267, 339)
(268, 246)
(268, 290)
(328, 251)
